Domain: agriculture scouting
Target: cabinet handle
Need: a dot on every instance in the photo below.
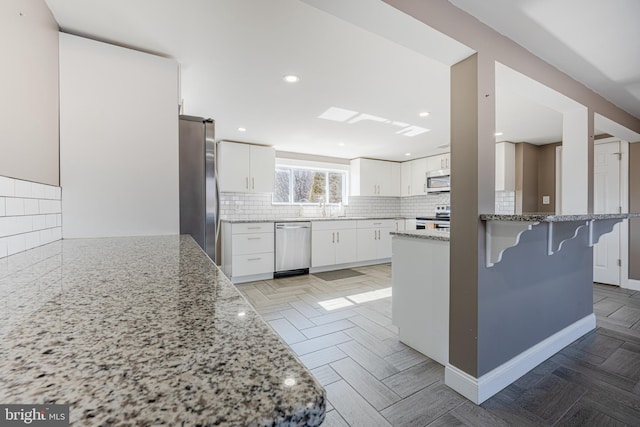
(254, 228)
(254, 259)
(378, 234)
(254, 238)
(333, 237)
(253, 183)
(424, 187)
(408, 189)
(374, 235)
(338, 233)
(396, 226)
(246, 184)
(377, 223)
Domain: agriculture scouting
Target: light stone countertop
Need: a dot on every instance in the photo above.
(550, 217)
(423, 234)
(143, 331)
(304, 219)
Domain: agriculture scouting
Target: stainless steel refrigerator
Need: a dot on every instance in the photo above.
(199, 201)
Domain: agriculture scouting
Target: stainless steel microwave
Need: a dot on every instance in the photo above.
(439, 181)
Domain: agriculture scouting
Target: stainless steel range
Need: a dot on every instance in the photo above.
(441, 219)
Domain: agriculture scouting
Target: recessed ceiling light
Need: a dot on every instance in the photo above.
(407, 154)
(341, 144)
(291, 78)
(498, 134)
(242, 129)
(424, 114)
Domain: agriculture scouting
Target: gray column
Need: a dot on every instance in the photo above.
(472, 193)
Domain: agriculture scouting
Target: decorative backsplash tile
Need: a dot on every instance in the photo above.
(505, 202)
(30, 215)
(258, 205)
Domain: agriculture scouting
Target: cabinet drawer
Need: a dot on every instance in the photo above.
(376, 223)
(333, 225)
(252, 227)
(251, 243)
(245, 265)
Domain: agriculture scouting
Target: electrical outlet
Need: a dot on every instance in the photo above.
(546, 200)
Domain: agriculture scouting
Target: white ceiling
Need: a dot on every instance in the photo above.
(596, 42)
(233, 55)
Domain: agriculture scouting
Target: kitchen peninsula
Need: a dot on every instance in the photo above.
(420, 303)
(145, 329)
(539, 268)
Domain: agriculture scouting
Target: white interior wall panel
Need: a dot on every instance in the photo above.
(118, 140)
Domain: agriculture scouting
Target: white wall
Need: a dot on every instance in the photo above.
(118, 140)
(29, 88)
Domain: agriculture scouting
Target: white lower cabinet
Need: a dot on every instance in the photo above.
(333, 242)
(248, 251)
(374, 240)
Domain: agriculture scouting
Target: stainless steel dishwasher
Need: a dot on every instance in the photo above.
(293, 248)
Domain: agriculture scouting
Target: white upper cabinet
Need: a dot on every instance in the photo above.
(505, 166)
(245, 168)
(405, 179)
(418, 177)
(375, 178)
(439, 162)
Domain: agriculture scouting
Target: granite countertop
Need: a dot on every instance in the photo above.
(143, 331)
(550, 217)
(301, 219)
(423, 234)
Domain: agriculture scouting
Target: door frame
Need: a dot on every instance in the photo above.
(625, 282)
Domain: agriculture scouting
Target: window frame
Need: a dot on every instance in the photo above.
(316, 167)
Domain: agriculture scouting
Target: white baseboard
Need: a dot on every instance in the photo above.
(480, 389)
(632, 284)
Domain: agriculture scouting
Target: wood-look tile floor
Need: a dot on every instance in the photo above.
(372, 379)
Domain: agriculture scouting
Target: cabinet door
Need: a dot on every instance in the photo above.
(434, 163)
(383, 175)
(405, 179)
(399, 225)
(369, 180)
(323, 248)
(367, 244)
(446, 157)
(233, 166)
(346, 246)
(418, 177)
(263, 166)
(394, 191)
(384, 243)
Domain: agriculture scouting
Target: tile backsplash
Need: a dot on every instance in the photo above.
(258, 205)
(505, 202)
(30, 215)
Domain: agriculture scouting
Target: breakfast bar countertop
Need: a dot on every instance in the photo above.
(144, 331)
(423, 234)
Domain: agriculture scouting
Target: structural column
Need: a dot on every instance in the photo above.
(577, 162)
(472, 193)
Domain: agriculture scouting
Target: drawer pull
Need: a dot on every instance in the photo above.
(254, 238)
(254, 228)
(377, 223)
(254, 259)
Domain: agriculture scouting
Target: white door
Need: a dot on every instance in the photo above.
(606, 199)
